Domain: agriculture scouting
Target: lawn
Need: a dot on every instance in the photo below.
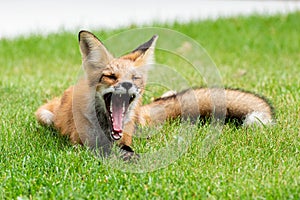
(255, 53)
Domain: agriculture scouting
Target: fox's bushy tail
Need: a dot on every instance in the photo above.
(243, 106)
(45, 114)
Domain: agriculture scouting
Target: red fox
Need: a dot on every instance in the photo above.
(105, 106)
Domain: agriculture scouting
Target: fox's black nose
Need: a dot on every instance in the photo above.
(126, 85)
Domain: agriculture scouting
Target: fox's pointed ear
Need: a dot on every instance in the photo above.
(92, 48)
(144, 54)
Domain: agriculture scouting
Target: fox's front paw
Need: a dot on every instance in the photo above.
(127, 154)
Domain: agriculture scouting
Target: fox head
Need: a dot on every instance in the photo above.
(119, 82)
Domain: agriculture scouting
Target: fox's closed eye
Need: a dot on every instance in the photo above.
(110, 77)
(136, 77)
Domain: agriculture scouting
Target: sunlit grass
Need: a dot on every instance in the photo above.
(260, 54)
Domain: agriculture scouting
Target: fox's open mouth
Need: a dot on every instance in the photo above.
(117, 107)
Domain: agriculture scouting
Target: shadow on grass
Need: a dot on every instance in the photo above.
(50, 138)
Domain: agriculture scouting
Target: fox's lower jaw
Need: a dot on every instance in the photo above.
(117, 105)
(116, 135)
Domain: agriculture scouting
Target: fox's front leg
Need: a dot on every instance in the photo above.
(126, 141)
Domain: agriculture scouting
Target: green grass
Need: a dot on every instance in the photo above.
(260, 54)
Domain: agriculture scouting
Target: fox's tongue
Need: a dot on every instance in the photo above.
(117, 117)
(119, 104)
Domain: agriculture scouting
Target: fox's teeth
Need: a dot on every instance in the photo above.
(120, 95)
(123, 107)
(116, 136)
(110, 108)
